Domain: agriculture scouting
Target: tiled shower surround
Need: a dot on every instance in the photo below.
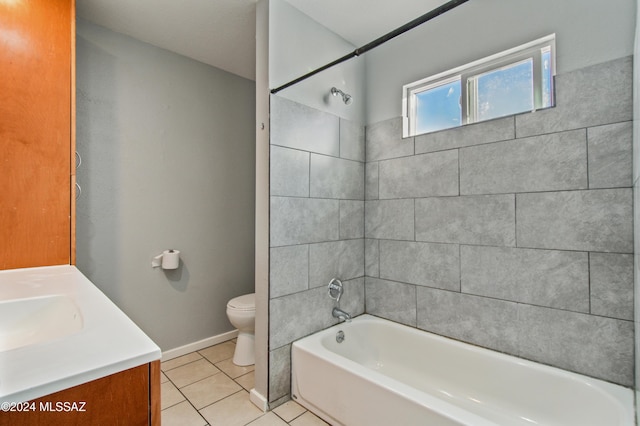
(513, 234)
(316, 227)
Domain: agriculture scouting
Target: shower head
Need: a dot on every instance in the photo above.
(347, 99)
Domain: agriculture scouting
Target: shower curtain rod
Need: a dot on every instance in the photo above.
(377, 42)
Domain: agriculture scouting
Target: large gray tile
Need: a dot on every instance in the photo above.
(636, 141)
(351, 219)
(339, 259)
(371, 190)
(612, 285)
(558, 279)
(425, 175)
(636, 218)
(279, 372)
(636, 231)
(428, 264)
(351, 140)
(303, 220)
(384, 140)
(298, 126)
(279, 402)
(540, 163)
(372, 257)
(389, 219)
(288, 270)
(297, 315)
(473, 134)
(477, 320)
(587, 344)
(391, 300)
(484, 219)
(610, 159)
(591, 96)
(595, 220)
(289, 172)
(336, 178)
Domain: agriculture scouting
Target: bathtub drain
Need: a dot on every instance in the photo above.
(340, 336)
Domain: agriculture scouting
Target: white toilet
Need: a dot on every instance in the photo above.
(241, 311)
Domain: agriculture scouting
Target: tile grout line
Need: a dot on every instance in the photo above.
(181, 365)
(185, 400)
(220, 370)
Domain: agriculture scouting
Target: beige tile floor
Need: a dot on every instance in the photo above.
(205, 388)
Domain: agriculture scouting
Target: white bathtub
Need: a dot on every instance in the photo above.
(385, 373)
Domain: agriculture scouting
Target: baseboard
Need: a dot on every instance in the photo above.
(201, 344)
(258, 400)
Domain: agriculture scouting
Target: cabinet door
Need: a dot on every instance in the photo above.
(121, 399)
(35, 132)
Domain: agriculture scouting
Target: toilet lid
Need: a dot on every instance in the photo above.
(246, 302)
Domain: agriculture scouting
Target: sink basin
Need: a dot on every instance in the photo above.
(34, 320)
(58, 330)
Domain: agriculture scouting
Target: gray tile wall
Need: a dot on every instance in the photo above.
(514, 234)
(316, 227)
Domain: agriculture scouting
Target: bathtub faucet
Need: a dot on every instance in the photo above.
(341, 315)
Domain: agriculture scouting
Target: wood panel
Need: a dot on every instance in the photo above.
(121, 399)
(154, 394)
(35, 132)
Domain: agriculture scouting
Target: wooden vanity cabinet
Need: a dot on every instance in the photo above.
(37, 193)
(127, 398)
(37, 169)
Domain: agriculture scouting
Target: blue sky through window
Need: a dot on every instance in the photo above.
(547, 97)
(438, 108)
(512, 82)
(505, 91)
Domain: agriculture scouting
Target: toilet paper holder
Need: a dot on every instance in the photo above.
(168, 259)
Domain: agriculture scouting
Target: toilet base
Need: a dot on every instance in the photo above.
(245, 349)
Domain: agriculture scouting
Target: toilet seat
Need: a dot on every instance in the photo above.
(246, 302)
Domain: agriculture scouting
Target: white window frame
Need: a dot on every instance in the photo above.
(467, 74)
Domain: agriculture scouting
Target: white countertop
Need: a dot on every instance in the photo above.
(109, 341)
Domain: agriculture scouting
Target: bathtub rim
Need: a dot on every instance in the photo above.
(621, 396)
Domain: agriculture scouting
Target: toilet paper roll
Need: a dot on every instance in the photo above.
(170, 259)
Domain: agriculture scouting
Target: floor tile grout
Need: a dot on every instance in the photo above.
(231, 370)
(187, 400)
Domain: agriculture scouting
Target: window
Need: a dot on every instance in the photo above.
(511, 82)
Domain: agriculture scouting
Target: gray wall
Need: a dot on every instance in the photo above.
(297, 45)
(317, 227)
(587, 32)
(513, 234)
(168, 162)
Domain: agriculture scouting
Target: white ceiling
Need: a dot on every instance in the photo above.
(221, 33)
